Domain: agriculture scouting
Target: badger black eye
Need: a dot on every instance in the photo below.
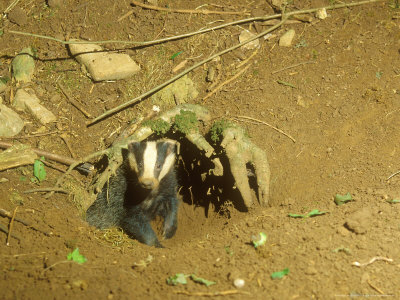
(158, 166)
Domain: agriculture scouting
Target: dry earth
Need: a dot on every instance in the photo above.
(342, 109)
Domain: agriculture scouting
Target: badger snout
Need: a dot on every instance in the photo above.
(148, 183)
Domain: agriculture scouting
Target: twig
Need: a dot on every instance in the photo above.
(286, 83)
(225, 82)
(376, 258)
(187, 11)
(159, 87)
(223, 293)
(5, 230)
(375, 288)
(29, 136)
(269, 125)
(11, 226)
(394, 174)
(56, 157)
(248, 59)
(293, 66)
(74, 102)
(172, 38)
(57, 263)
(7, 214)
(10, 7)
(46, 190)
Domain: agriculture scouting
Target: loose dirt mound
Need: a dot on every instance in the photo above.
(339, 101)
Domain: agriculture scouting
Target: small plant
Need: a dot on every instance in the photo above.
(280, 274)
(302, 43)
(76, 256)
(342, 199)
(159, 126)
(186, 122)
(217, 129)
(180, 278)
(313, 213)
(38, 170)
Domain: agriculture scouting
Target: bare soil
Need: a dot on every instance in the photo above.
(341, 108)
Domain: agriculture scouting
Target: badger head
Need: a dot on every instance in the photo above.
(152, 161)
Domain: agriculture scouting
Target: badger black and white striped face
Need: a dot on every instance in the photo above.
(152, 161)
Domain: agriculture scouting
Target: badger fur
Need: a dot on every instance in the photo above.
(144, 187)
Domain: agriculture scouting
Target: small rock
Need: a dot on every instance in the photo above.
(246, 35)
(321, 14)
(23, 65)
(30, 103)
(18, 16)
(104, 65)
(239, 283)
(287, 38)
(82, 284)
(10, 122)
(359, 221)
(153, 2)
(3, 180)
(311, 270)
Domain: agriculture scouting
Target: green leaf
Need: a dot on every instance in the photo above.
(76, 256)
(280, 274)
(259, 240)
(378, 75)
(313, 213)
(38, 170)
(394, 201)
(286, 83)
(342, 199)
(175, 55)
(178, 278)
(202, 280)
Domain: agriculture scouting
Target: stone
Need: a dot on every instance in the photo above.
(18, 16)
(30, 103)
(23, 65)
(246, 35)
(287, 38)
(10, 122)
(359, 221)
(104, 65)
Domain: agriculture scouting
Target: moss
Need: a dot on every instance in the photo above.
(217, 129)
(186, 122)
(158, 126)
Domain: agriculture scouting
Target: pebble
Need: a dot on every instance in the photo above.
(239, 283)
(10, 122)
(104, 65)
(28, 102)
(246, 35)
(287, 38)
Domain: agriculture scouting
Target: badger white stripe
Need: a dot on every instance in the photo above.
(167, 166)
(149, 160)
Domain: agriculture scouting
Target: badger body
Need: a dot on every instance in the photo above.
(145, 186)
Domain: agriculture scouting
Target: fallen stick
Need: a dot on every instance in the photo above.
(376, 258)
(188, 11)
(87, 168)
(225, 82)
(11, 226)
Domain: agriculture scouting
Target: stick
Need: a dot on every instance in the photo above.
(269, 125)
(74, 102)
(223, 293)
(357, 264)
(7, 214)
(159, 87)
(225, 82)
(56, 157)
(293, 66)
(11, 226)
(46, 190)
(5, 230)
(147, 43)
(187, 11)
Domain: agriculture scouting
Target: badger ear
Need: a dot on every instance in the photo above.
(172, 146)
(132, 149)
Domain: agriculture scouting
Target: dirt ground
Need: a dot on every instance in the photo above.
(335, 91)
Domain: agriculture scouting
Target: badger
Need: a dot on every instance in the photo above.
(144, 187)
